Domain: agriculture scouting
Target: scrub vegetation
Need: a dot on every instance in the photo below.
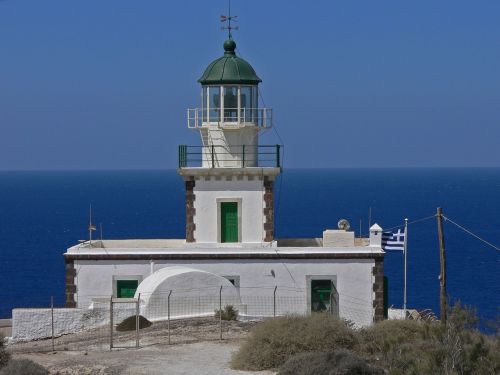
(228, 313)
(4, 355)
(23, 366)
(10, 366)
(336, 362)
(273, 342)
(323, 344)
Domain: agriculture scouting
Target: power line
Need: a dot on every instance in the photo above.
(472, 234)
(412, 222)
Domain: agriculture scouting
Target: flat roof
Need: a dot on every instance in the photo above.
(179, 249)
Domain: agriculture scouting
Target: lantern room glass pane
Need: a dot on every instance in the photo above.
(248, 103)
(214, 103)
(231, 103)
(204, 103)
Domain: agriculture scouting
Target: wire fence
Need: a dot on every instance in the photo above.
(170, 317)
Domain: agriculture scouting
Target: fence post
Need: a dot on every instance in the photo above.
(52, 320)
(168, 315)
(111, 323)
(213, 156)
(243, 158)
(278, 156)
(274, 301)
(331, 301)
(220, 311)
(137, 321)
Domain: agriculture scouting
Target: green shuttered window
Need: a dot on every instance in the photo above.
(126, 288)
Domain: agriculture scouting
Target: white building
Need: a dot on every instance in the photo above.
(229, 197)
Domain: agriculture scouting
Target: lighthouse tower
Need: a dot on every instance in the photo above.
(229, 178)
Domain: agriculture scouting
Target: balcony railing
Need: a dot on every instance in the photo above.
(240, 156)
(230, 118)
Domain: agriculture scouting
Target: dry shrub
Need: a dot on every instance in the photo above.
(468, 351)
(339, 362)
(129, 324)
(411, 347)
(395, 344)
(389, 334)
(23, 366)
(273, 342)
(228, 313)
(4, 355)
(398, 346)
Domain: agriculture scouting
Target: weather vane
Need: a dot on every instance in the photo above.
(228, 19)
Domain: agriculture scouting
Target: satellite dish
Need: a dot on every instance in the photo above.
(343, 224)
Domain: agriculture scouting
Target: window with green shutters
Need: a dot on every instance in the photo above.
(229, 221)
(126, 288)
(320, 295)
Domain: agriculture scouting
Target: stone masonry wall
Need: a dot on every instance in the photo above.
(378, 289)
(70, 283)
(190, 211)
(268, 210)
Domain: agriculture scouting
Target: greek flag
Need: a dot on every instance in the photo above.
(393, 241)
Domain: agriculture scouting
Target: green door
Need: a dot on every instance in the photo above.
(126, 288)
(229, 222)
(320, 295)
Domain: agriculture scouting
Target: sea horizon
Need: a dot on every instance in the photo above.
(283, 168)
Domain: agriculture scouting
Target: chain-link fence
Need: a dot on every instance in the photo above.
(173, 317)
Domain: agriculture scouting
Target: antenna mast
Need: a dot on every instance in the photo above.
(91, 226)
(228, 19)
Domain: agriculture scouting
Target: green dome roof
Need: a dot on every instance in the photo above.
(229, 69)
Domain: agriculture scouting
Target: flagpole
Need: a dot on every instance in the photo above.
(405, 266)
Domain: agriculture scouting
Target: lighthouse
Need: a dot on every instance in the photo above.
(230, 250)
(229, 177)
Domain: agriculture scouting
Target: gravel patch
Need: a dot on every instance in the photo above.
(208, 358)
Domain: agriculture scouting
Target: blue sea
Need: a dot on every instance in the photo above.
(43, 213)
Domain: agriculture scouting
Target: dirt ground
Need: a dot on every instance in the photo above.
(210, 358)
(195, 349)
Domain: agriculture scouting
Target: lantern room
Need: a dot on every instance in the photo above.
(230, 94)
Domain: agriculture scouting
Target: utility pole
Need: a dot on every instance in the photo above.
(442, 259)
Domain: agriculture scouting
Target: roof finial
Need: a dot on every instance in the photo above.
(228, 19)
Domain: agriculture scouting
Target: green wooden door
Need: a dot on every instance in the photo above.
(320, 295)
(229, 221)
(126, 288)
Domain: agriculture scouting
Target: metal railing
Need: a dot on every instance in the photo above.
(230, 117)
(236, 156)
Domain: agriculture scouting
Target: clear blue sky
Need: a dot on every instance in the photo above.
(105, 84)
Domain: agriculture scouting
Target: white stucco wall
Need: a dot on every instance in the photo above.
(257, 278)
(227, 147)
(249, 193)
(35, 324)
